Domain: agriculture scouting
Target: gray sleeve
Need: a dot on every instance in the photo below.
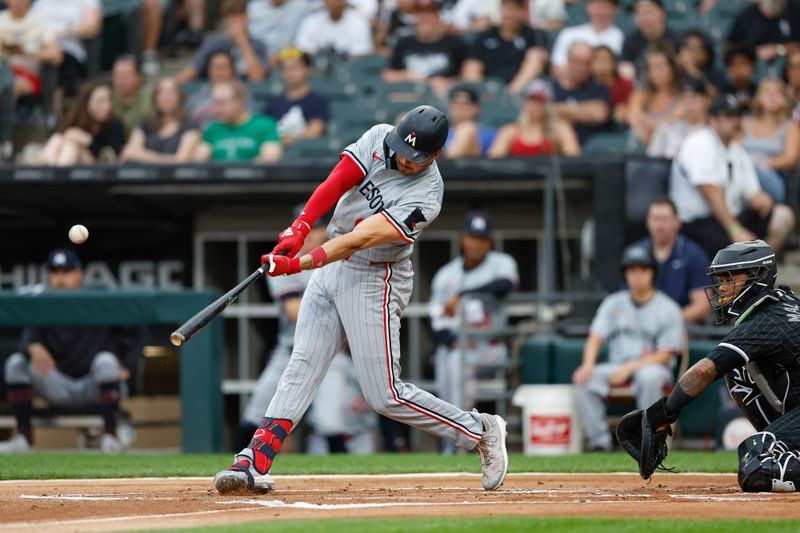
(506, 268)
(601, 325)
(371, 141)
(671, 334)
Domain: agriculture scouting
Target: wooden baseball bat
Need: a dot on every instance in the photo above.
(201, 319)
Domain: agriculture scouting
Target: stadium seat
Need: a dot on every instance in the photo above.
(335, 90)
(499, 115)
(618, 143)
(321, 148)
(352, 115)
(407, 92)
(366, 67)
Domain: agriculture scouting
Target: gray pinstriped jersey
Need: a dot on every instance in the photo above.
(452, 279)
(280, 287)
(634, 331)
(409, 203)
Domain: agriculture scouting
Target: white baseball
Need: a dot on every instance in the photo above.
(78, 233)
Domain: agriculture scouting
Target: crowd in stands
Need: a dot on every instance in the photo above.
(615, 69)
(519, 78)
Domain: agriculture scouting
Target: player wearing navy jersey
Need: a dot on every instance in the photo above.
(386, 189)
(760, 361)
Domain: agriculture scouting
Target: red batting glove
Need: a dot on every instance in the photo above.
(292, 238)
(280, 265)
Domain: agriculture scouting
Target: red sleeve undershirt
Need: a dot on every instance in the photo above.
(344, 176)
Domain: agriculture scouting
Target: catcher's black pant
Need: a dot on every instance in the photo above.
(769, 461)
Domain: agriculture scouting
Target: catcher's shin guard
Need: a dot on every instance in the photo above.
(767, 465)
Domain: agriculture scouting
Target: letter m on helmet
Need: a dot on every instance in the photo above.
(411, 139)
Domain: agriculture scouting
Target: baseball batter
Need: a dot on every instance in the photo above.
(386, 188)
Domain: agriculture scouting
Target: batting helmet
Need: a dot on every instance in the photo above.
(757, 260)
(420, 134)
(637, 255)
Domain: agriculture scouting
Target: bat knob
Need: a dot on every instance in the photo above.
(176, 338)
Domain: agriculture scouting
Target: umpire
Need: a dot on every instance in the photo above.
(68, 366)
(760, 360)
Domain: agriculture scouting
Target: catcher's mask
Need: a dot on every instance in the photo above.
(730, 297)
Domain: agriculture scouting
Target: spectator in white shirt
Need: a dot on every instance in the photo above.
(73, 22)
(338, 28)
(713, 183)
(26, 43)
(600, 30)
(276, 22)
(472, 15)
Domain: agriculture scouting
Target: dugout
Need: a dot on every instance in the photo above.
(205, 226)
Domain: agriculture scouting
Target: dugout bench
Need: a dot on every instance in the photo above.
(553, 359)
(200, 360)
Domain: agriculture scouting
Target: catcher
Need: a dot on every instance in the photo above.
(760, 361)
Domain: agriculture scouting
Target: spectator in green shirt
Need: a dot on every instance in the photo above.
(131, 99)
(238, 135)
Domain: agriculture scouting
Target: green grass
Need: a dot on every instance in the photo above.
(499, 524)
(88, 465)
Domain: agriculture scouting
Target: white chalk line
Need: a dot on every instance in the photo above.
(750, 497)
(92, 497)
(278, 504)
(322, 477)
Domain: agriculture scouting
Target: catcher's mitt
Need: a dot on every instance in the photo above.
(647, 447)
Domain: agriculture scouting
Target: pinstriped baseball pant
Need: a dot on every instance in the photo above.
(363, 302)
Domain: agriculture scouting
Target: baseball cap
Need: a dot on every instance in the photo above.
(539, 89)
(478, 224)
(63, 259)
(725, 104)
(292, 53)
(693, 85)
(637, 255)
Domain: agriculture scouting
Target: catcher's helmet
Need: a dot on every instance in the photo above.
(757, 260)
(420, 134)
(637, 255)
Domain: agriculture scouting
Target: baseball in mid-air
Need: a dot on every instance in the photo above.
(78, 233)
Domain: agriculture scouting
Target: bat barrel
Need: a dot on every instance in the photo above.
(177, 338)
(181, 335)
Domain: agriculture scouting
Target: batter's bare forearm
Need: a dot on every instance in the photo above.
(698, 377)
(373, 231)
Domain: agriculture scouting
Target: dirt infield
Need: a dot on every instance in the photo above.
(125, 504)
